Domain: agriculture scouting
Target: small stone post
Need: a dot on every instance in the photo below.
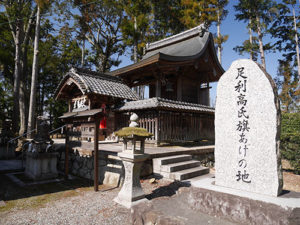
(41, 161)
(131, 192)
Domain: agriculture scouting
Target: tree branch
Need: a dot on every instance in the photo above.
(29, 25)
(12, 28)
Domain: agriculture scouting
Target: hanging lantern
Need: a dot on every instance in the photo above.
(103, 123)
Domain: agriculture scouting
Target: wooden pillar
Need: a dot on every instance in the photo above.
(179, 88)
(70, 106)
(67, 153)
(96, 146)
(208, 95)
(158, 88)
(156, 129)
(199, 92)
(203, 95)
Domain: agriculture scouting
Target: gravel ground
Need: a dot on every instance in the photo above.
(80, 204)
(88, 207)
(75, 206)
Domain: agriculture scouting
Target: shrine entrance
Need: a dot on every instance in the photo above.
(90, 119)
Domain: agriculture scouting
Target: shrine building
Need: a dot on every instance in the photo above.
(177, 72)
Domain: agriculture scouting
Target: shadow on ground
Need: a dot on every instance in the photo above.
(167, 191)
(11, 191)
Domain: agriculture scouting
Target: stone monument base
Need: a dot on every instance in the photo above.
(191, 205)
(41, 166)
(244, 207)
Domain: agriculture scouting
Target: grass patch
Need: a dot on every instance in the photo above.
(37, 196)
(37, 201)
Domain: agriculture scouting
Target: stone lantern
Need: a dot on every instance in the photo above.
(131, 192)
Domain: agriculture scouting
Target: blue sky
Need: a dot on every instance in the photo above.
(238, 33)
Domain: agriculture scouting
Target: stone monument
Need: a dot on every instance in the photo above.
(131, 192)
(41, 162)
(247, 126)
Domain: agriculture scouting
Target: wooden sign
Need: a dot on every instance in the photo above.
(80, 104)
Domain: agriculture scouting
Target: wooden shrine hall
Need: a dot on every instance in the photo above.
(177, 71)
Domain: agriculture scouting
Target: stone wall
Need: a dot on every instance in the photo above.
(111, 169)
(206, 159)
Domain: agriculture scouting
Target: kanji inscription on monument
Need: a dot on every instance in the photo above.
(247, 126)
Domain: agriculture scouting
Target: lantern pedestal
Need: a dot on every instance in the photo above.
(131, 192)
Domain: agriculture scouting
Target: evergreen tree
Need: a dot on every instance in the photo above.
(259, 14)
(101, 20)
(135, 26)
(286, 29)
(287, 81)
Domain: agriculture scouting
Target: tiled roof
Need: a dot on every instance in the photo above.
(98, 83)
(92, 112)
(161, 103)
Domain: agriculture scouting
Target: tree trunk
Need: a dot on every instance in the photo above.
(17, 72)
(83, 52)
(135, 46)
(22, 106)
(42, 99)
(219, 37)
(251, 40)
(32, 104)
(296, 40)
(261, 46)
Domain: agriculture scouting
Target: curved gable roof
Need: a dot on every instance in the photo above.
(185, 46)
(97, 83)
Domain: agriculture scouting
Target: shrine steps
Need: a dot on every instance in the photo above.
(179, 167)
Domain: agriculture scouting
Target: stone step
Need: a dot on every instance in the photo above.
(170, 159)
(179, 166)
(189, 173)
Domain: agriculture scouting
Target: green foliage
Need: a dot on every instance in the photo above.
(290, 139)
(99, 22)
(259, 14)
(287, 81)
(195, 12)
(283, 30)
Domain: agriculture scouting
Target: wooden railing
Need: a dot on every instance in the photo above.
(174, 126)
(150, 123)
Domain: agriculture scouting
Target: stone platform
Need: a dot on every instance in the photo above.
(151, 150)
(111, 170)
